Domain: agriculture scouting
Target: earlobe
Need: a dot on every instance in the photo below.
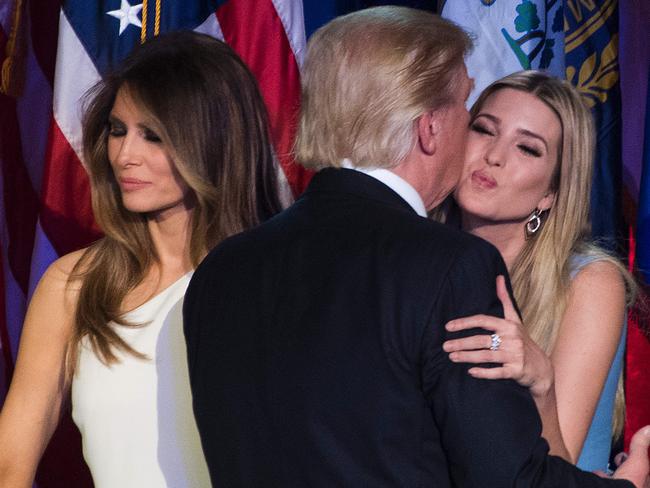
(428, 130)
(547, 202)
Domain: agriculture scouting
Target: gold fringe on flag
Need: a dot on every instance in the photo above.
(12, 76)
(143, 32)
(156, 28)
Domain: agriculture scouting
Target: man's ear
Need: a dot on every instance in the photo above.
(428, 132)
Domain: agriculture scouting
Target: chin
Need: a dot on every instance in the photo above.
(139, 207)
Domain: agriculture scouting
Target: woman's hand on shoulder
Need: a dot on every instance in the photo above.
(40, 384)
(517, 355)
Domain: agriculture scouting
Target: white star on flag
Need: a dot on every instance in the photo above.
(127, 14)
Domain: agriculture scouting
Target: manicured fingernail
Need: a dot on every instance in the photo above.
(449, 326)
(453, 356)
(445, 346)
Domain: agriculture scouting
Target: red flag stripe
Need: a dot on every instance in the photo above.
(275, 67)
(66, 215)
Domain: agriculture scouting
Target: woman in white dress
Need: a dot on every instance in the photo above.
(178, 152)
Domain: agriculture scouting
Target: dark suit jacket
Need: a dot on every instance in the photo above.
(315, 354)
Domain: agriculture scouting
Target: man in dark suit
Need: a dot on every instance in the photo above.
(314, 341)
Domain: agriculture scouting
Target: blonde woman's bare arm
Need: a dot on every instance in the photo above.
(39, 386)
(586, 344)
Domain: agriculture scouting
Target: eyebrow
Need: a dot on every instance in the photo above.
(524, 132)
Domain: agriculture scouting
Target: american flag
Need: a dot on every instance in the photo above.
(51, 53)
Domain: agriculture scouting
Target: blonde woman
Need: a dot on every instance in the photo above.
(177, 149)
(525, 189)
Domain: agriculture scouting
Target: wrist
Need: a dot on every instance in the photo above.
(543, 389)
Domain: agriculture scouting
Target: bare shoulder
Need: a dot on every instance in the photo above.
(600, 277)
(57, 290)
(596, 299)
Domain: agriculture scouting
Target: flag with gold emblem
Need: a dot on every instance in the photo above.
(591, 46)
(509, 36)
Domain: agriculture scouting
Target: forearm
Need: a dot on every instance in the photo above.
(547, 408)
(11, 476)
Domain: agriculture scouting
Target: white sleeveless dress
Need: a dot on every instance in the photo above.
(135, 416)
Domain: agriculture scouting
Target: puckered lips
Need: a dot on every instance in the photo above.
(483, 180)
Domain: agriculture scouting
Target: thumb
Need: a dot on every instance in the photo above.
(509, 311)
(635, 468)
(639, 448)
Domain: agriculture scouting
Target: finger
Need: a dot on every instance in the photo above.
(490, 373)
(486, 322)
(600, 473)
(468, 343)
(620, 458)
(509, 311)
(639, 446)
(480, 356)
(635, 468)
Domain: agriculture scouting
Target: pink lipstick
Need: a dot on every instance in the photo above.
(483, 180)
(132, 184)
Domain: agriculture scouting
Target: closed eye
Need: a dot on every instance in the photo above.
(116, 129)
(151, 136)
(530, 150)
(481, 129)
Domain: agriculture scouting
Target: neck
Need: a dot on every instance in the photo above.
(170, 233)
(508, 237)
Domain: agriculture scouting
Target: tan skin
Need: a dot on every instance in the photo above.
(40, 386)
(512, 152)
(433, 173)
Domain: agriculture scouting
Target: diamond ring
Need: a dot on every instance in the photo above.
(496, 342)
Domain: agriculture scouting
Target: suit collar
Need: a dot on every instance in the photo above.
(396, 183)
(357, 183)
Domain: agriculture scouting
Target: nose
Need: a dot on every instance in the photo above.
(127, 150)
(494, 155)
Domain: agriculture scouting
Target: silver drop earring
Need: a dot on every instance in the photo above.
(534, 223)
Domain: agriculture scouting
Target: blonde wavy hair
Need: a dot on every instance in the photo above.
(541, 274)
(205, 106)
(368, 76)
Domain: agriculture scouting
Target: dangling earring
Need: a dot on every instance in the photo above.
(534, 223)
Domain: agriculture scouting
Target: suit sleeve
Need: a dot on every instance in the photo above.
(489, 429)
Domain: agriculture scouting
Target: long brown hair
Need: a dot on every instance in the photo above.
(541, 274)
(206, 107)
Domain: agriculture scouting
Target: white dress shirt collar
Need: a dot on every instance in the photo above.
(396, 183)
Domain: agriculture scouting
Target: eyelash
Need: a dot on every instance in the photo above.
(528, 150)
(531, 151)
(481, 129)
(115, 131)
(119, 131)
(151, 136)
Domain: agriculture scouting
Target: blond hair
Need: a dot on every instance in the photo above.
(368, 76)
(541, 274)
(205, 106)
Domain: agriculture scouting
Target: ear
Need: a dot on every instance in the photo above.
(547, 201)
(428, 132)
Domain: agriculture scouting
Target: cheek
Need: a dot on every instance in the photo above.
(112, 149)
(532, 182)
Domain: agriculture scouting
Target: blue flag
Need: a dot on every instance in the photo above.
(591, 45)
